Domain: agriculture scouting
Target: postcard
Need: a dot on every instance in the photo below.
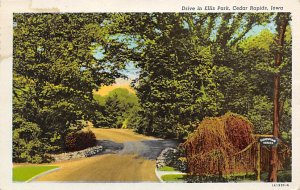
(149, 94)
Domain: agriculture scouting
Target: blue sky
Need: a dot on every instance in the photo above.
(257, 29)
(132, 72)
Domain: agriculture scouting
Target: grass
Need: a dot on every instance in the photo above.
(24, 173)
(283, 176)
(173, 177)
(166, 168)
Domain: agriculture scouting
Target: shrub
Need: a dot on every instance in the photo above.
(210, 149)
(80, 140)
(27, 144)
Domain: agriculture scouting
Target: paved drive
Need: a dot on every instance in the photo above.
(128, 161)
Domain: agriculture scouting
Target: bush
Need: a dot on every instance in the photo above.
(80, 140)
(27, 145)
(211, 148)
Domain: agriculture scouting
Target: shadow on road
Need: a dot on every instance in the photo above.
(110, 146)
(154, 147)
(149, 149)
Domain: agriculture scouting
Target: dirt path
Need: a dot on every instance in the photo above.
(133, 161)
(104, 168)
(119, 135)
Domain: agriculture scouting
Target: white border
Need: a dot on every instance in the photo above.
(7, 7)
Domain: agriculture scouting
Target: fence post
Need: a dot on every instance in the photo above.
(258, 161)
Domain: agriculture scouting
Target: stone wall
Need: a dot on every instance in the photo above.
(78, 154)
(173, 158)
(165, 157)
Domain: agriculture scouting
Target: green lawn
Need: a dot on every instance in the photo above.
(283, 176)
(24, 173)
(173, 177)
(166, 168)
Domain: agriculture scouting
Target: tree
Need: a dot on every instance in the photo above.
(245, 64)
(55, 53)
(180, 57)
(282, 20)
(118, 109)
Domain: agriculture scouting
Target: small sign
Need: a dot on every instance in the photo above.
(273, 141)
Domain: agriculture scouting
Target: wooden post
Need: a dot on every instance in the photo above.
(258, 161)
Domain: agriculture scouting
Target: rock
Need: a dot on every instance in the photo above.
(78, 154)
(171, 157)
(164, 158)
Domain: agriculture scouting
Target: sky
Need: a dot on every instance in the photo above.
(132, 72)
(257, 29)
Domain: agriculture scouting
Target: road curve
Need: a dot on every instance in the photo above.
(128, 161)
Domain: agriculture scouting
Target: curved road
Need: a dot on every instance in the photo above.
(127, 161)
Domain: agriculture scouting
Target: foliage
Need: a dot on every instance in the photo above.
(119, 109)
(55, 72)
(80, 140)
(196, 65)
(191, 66)
(24, 173)
(282, 21)
(100, 99)
(176, 159)
(260, 114)
(27, 143)
(210, 149)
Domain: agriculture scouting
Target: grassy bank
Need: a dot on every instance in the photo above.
(283, 176)
(24, 173)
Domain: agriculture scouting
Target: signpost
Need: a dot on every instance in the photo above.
(264, 140)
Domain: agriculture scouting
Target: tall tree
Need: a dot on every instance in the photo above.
(56, 54)
(282, 20)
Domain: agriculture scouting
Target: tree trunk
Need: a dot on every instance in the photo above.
(282, 21)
